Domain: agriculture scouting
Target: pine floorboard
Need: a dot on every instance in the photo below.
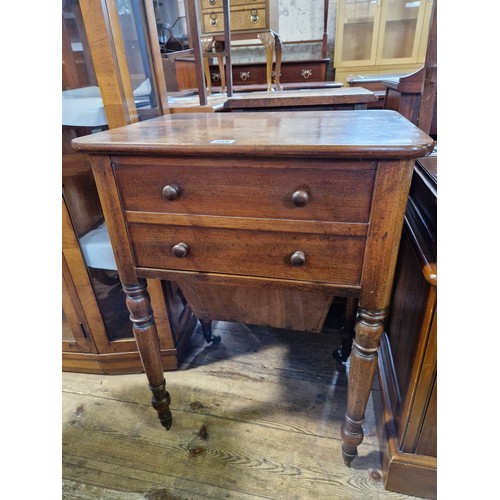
(270, 401)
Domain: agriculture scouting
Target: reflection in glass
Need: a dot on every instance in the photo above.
(136, 52)
(358, 29)
(400, 28)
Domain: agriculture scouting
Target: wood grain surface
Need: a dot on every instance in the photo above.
(351, 134)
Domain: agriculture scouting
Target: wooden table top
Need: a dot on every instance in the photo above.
(345, 134)
(305, 97)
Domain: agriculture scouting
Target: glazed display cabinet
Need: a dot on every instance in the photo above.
(380, 36)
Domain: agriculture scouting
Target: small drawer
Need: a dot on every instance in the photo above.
(246, 18)
(323, 191)
(295, 256)
(211, 4)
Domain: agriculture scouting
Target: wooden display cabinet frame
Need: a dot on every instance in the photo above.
(86, 346)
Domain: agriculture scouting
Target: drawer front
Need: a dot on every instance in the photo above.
(212, 4)
(328, 258)
(304, 72)
(253, 17)
(337, 194)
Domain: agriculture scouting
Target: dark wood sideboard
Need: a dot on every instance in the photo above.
(407, 409)
(306, 72)
(286, 200)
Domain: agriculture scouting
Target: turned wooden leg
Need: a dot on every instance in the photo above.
(206, 328)
(368, 330)
(268, 41)
(206, 46)
(277, 66)
(141, 315)
(351, 311)
(208, 79)
(222, 71)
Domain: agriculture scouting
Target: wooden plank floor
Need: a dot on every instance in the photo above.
(270, 402)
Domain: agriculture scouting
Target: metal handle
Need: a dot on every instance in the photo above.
(298, 258)
(306, 73)
(300, 198)
(213, 19)
(211, 2)
(254, 15)
(245, 75)
(180, 250)
(171, 192)
(216, 77)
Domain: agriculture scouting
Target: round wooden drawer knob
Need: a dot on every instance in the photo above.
(298, 259)
(180, 250)
(171, 193)
(300, 198)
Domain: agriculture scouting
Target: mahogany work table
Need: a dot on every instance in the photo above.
(312, 201)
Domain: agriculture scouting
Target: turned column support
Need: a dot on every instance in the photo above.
(146, 336)
(368, 330)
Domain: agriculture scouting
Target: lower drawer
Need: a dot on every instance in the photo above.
(328, 258)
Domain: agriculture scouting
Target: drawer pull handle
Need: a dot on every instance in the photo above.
(300, 198)
(171, 193)
(211, 2)
(180, 250)
(244, 75)
(213, 19)
(254, 16)
(216, 77)
(298, 259)
(306, 73)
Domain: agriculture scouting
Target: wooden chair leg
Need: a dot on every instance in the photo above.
(267, 40)
(222, 71)
(351, 310)
(206, 327)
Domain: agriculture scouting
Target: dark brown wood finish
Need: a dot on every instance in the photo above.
(407, 409)
(337, 98)
(257, 250)
(247, 75)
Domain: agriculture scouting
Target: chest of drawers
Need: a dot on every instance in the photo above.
(304, 201)
(246, 16)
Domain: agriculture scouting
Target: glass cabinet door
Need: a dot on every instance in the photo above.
(357, 32)
(401, 22)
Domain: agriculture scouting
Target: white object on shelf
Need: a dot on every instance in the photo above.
(83, 108)
(96, 249)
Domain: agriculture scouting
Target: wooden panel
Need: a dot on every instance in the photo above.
(293, 309)
(427, 443)
(336, 193)
(408, 305)
(328, 258)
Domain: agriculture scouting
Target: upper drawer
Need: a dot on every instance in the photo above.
(211, 4)
(321, 257)
(334, 191)
(244, 18)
